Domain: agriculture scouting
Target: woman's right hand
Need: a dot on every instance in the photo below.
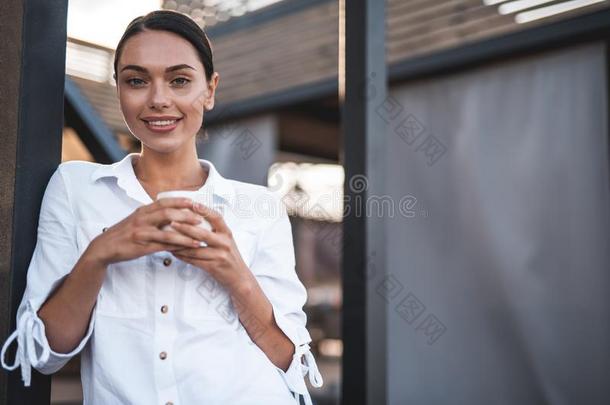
(140, 233)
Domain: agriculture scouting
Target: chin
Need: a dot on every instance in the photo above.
(163, 146)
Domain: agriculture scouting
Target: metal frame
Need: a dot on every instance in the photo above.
(282, 98)
(608, 103)
(364, 319)
(38, 152)
(95, 134)
(553, 35)
(358, 383)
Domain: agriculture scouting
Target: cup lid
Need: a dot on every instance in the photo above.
(200, 196)
(178, 194)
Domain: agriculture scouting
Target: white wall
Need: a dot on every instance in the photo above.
(243, 149)
(507, 252)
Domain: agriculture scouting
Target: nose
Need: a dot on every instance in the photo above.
(158, 97)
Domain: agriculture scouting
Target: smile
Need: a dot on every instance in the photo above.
(162, 125)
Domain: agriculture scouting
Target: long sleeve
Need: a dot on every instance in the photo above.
(274, 268)
(54, 256)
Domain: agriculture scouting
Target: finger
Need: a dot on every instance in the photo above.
(177, 248)
(153, 234)
(213, 216)
(164, 216)
(208, 255)
(198, 233)
(153, 247)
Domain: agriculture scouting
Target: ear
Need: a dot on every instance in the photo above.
(212, 85)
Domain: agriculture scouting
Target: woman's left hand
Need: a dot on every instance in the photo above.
(221, 257)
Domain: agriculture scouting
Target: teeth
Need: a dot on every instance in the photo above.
(162, 123)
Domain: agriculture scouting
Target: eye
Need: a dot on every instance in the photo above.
(181, 81)
(134, 82)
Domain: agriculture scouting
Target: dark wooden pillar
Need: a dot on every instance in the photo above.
(32, 67)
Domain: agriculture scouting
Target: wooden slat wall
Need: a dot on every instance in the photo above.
(292, 50)
(417, 27)
(302, 48)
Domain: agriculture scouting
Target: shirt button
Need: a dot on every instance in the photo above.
(167, 261)
(162, 355)
(164, 309)
(169, 403)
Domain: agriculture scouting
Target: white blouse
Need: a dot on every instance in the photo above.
(171, 319)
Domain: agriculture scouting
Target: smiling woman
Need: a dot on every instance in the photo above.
(146, 83)
(213, 323)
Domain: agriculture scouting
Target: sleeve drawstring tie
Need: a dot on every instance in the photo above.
(309, 367)
(26, 356)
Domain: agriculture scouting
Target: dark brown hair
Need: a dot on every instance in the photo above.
(177, 23)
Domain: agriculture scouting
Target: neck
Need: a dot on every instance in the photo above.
(169, 171)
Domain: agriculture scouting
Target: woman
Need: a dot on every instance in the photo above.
(156, 317)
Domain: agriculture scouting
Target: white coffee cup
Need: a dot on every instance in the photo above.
(196, 196)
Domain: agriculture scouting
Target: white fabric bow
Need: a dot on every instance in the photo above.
(26, 356)
(310, 367)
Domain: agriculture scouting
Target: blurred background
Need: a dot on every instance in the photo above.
(511, 198)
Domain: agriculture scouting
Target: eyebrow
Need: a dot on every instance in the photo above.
(169, 69)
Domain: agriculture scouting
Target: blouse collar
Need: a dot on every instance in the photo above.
(127, 180)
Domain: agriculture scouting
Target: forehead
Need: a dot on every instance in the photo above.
(159, 49)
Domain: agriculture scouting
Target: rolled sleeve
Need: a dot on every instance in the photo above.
(274, 268)
(54, 257)
(303, 363)
(33, 349)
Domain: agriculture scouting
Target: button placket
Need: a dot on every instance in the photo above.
(164, 269)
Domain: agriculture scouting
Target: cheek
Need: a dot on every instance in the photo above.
(195, 103)
(193, 107)
(129, 105)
